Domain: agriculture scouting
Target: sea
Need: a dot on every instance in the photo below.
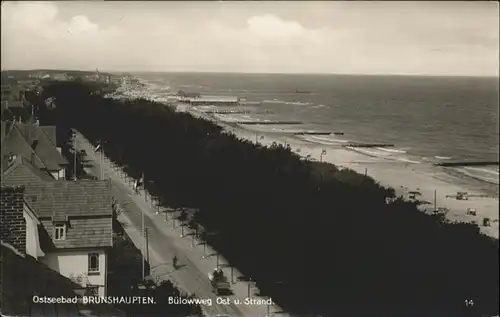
(428, 119)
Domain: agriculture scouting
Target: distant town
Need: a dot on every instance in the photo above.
(60, 236)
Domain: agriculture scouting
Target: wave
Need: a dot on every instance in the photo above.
(392, 154)
(327, 139)
(484, 170)
(250, 102)
(382, 155)
(443, 157)
(311, 139)
(229, 118)
(273, 101)
(391, 150)
(481, 174)
(193, 86)
(294, 103)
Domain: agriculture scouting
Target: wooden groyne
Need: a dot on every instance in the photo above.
(227, 112)
(367, 145)
(236, 112)
(465, 163)
(318, 133)
(268, 122)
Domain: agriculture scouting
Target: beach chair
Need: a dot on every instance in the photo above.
(462, 196)
(471, 211)
(486, 222)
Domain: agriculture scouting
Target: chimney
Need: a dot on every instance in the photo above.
(12, 222)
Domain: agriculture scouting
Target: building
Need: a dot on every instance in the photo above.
(19, 171)
(23, 273)
(60, 77)
(36, 144)
(15, 110)
(74, 232)
(19, 222)
(11, 92)
(77, 216)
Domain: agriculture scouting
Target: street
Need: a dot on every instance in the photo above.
(164, 242)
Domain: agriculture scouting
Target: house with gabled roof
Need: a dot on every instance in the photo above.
(32, 142)
(23, 271)
(18, 170)
(78, 219)
(14, 110)
(19, 222)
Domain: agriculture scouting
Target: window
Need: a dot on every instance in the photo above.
(93, 262)
(60, 231)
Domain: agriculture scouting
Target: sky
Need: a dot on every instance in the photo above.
(400, 38)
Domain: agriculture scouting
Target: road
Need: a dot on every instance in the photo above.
(164, 241)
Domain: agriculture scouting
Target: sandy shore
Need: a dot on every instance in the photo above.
(431, 181)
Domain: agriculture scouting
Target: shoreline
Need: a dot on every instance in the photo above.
(404, 177)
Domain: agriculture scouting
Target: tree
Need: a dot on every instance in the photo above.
(388, 254)
(183, 217)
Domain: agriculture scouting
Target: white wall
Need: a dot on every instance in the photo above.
(32, 240)
(59, 175)
(74, 264)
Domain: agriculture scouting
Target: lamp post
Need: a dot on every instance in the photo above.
(249, 286)
(268, 314)
(323, 152)
(73, 137)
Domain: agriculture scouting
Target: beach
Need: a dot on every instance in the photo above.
(435, 187)
(432, 182)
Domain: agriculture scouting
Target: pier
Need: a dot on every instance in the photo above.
(268, 122)
(367, 145)
(465, 163)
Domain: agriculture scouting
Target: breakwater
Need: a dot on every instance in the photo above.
(318, 133)
(465, 163)
(268, 122)
(367, 145)
(236, 112)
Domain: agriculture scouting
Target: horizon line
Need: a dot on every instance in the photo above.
(252, 73)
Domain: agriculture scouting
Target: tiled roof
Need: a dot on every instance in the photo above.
(14, 113)
(3, 131)
(45, 148)
(23, 277)
(15, 143)
(85, 205)
(82, 233)
(15, 103)
(22, 172)
(71, 198)
(50, 131)
(19, 141)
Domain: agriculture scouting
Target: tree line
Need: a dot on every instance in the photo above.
(317, 239)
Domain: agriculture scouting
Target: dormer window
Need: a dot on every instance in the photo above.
(60, 231)
(11, 158)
